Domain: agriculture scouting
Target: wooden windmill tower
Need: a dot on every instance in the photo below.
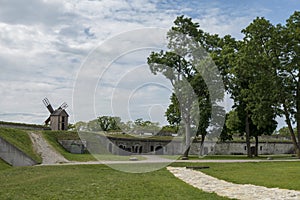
(58, 118)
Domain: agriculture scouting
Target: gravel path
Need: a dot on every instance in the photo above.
(231, 190)
(48, 154)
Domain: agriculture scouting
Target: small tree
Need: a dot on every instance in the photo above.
(108, 123)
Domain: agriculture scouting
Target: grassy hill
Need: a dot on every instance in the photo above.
(20, 139)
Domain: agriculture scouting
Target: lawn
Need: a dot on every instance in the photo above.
(4, 165)
(93, 182)
(270, 174)
(242, 157)
(21, 140)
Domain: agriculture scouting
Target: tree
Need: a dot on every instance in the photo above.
(285, 132)
(184, 64)
(232, 126)
(287, 51)
(251, 76)
(93, 125)
(141, 125)
(108, 123)
(81, 126)
(173, 112)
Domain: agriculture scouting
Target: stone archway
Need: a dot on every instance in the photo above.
(159, 150)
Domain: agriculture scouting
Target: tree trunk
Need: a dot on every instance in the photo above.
(187, 140)
(256, 146)
(185, 155)
(201, 145)
(247, 129)
(298, 116)
(293, 136)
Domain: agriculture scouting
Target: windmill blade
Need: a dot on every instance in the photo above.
(46, 102)
(64, 105)
(48, 105)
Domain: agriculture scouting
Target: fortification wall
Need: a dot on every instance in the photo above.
(13, 156)
(122, 146)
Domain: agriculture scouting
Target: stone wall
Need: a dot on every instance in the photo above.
(13, 155)
(128, 146)
(73, 146)
(227, 148)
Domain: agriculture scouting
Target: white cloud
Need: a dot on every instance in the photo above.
(44, 42)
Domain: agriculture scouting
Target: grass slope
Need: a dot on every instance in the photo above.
(52, 138)
(269, 174)
(4, 165)
(94, 182)
(21, 140)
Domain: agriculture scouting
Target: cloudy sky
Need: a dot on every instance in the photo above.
(45, 45)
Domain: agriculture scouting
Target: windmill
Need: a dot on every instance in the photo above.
(58, 118)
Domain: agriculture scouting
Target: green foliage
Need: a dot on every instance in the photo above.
(21, 140)
(168, 130)
(287, 70)
(94, 182)
(141, 125)
(173, 112)
(94, 125)
(233, 123)
(185, 65)
(108, 123)
(284, 131)
(250, 65)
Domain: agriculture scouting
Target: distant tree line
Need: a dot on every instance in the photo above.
(114, 124)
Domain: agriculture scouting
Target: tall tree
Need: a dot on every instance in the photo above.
(251, 75)
(173, 112)
(287, 46)
(181, 64)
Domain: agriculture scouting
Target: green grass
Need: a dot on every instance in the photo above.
(94, 182)
(242, 157)
(21, 140)
(4, 165)
(269, 174)
(23, 125)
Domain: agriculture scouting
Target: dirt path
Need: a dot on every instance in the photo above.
(231, 190)
(48, 154)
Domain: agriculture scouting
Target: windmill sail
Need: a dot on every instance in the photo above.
(63, 106)
(48, 105)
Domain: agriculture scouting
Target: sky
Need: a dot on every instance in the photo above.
(45, 46)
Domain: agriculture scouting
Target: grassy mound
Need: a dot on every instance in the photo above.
(52, 138)
(21, 140)
(23, 125)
